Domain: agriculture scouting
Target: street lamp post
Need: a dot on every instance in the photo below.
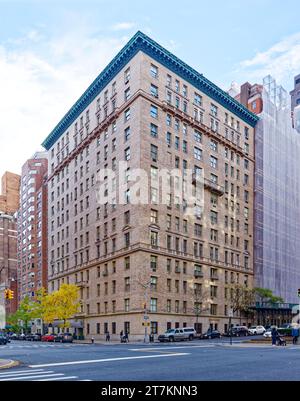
(146, 316)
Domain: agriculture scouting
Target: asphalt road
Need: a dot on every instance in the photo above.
(189, 361)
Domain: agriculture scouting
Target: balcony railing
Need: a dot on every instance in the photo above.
(198, 274)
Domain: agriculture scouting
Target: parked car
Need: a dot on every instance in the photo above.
(172, 335)
(190, 333)
(257, 330)
(211, 334)
(64, 338)
(21, 337)
(238, 331)
(3, 339)
(48, 338)
(37, 337)
(268, 334)
(29, 337)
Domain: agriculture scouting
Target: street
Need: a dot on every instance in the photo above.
(192, 361)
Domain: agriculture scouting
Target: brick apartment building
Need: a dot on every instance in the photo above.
(32, 226)
(9, 204)
(9, 198)
(153, 111)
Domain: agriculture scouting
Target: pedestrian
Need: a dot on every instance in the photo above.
(93, 340)
(274, 334)
(295, 335)
(107, 336)
(126, 336)
(121, 335)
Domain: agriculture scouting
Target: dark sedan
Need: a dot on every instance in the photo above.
(3, 339)
(211, 334)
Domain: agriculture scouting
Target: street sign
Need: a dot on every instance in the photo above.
(146, 317)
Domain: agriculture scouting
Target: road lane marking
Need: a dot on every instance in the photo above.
(107, 360)
(24, 374)
(20, 371)
(31, 377)
(57, 378)
(171, 348)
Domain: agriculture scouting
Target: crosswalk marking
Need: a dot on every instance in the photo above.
(13, 372)
(57, 378)
(34, 375)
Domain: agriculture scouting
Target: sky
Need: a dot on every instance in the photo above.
(50, 51)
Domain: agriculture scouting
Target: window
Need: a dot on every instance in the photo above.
(154, 111)
(127, 239)
(154, 71)
(198, 99)
(197, 153)
(154, 238)
(153, 130)
(154, 90)
(127, 154)
(127, 94)
(169, 81)
(127, 134)
(169, 138)
(213, 162)
(214, 110)
(153, 305)
(185, 90)
(154, 151)
(127, 115)
(153, 263)
(198, 136)
(198, 230)
(214, 235)
(213, 217)
(177, 143)
(214, 145)
(127, 75)
(154, 216)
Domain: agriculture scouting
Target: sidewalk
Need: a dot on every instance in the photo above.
(96, 342)
(8, 363)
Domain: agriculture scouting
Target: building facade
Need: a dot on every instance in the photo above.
(8, 258)
(9, 199)
(159, 116)
(295, 103)
(32, 227)
(277, 191)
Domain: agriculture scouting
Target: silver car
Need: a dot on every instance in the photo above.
(172, 335)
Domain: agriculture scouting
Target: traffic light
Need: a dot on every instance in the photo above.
(9, 294)
(299, 292)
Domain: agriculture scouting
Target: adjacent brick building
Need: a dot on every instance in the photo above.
(9, 199)
(32, 226)
(277, 194)
(153, 111)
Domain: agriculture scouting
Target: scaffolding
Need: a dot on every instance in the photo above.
(277, 196)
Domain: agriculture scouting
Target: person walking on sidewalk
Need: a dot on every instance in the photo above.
(126, 336)
(121, 335)
(274, 334)
(107, 336)
(295, 335)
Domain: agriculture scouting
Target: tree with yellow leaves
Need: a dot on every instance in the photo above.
(60, 305)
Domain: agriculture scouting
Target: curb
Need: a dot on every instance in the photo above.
(10, 364)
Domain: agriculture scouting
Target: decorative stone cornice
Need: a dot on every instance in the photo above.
(141, 42)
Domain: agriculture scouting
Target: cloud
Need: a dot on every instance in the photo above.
(123, 26)
(282, 61)
(40, 79)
